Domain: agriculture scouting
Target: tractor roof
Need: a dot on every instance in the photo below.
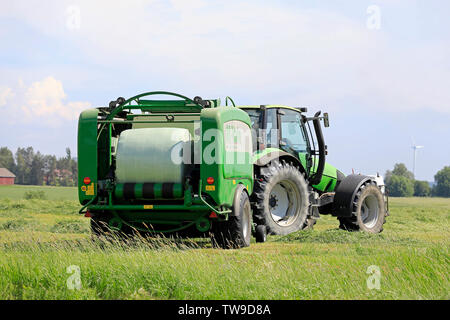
(269, 106)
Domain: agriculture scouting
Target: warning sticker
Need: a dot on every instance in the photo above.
(89, 190)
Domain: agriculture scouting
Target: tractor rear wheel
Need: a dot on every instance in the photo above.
(281, 199)
(235, 233)
(369, 212)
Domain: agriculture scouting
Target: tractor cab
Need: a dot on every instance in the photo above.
(276, 127)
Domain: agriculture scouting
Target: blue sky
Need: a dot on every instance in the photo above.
(382, 83)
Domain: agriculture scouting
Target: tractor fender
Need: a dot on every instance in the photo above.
(267, 158)
(345, 194)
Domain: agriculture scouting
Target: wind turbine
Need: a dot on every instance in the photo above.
(415, 147)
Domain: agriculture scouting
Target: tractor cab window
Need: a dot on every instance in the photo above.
(254, 115)
(292, 133)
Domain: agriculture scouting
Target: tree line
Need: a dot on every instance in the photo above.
(35, 168)
(400, 182)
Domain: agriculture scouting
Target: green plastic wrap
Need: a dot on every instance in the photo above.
(151, 155)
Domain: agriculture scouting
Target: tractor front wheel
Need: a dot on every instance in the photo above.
(369, 213)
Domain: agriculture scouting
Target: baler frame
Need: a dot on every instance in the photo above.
(195, 208)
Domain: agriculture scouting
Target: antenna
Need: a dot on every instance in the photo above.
(415, 147)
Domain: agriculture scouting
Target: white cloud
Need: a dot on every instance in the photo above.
(5, 94)
(43, 101)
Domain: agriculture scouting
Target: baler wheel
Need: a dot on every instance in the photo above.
(234, 233)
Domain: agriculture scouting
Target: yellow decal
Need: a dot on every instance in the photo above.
(148, 206)
(210, 188)
(234, 181)
(90, 190)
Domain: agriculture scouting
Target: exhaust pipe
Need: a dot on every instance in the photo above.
(317, 177)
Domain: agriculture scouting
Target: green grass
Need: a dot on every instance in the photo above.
(16, 192)
(39, 239)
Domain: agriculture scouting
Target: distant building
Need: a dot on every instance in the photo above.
(6, 176)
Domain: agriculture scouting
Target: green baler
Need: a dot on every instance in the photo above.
(193, 167)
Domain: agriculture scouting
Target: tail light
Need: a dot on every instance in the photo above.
(213, 215)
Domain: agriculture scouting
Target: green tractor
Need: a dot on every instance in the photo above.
(190, 167)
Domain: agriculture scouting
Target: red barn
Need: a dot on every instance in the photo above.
(6, 176)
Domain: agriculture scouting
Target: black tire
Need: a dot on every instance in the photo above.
(261, 233)
(369, 210)
(266, 204)
(236, 231)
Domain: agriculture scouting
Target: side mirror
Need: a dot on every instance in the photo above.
(326, 121)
